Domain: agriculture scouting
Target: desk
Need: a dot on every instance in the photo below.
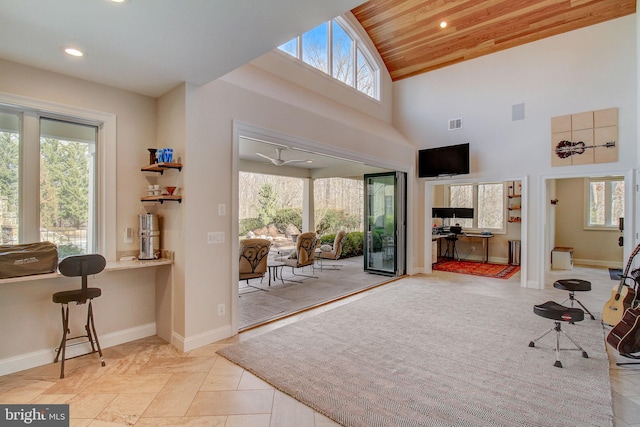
(436, 248)
(485, 243)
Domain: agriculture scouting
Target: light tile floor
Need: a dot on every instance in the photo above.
(150, 383)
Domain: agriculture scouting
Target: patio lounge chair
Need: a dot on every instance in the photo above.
(332, 252)
(303, 255)
(253, 258)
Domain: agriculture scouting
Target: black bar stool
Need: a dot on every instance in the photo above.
(573, 286)
(79, 266)
(559, 313)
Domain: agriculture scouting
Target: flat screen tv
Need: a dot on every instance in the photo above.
(449, 160)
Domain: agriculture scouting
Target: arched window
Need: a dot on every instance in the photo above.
(334, 49)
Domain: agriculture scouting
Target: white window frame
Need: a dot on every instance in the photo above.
(105, 171)
(587, 203)
(358, 44)
(503, 229)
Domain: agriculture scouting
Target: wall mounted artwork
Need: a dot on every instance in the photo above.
(585, 138)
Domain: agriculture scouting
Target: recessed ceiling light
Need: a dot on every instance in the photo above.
(118, 1)
(443, 24)
(73, 52)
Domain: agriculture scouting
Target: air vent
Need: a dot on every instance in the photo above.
(455, 124)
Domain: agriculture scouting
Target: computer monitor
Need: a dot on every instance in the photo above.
(463, 212)
(452, 212)
(442, 213)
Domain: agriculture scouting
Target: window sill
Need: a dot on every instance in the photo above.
(601, 228)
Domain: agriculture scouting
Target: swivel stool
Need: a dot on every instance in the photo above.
(79, 266)
(559, 313)
(573, 286)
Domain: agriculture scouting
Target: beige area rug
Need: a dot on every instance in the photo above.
(418, 354)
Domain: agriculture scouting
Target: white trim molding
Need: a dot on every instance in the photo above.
(106, 123)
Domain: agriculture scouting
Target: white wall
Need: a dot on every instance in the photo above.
(588, 69)
(261, 99)
(32, 325)
(198, 123)
(299, 73)
(31, 322)
(136, 129)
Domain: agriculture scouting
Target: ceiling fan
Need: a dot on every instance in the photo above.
(278, 161)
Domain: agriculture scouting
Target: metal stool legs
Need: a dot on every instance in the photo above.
(451, 246)
(572, 298)
(91, 335)
(558, 329)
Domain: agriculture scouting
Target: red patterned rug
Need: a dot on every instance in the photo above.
(498, 271)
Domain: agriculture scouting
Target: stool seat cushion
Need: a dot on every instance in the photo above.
(572, 285)
(66, 297)
(553, 310)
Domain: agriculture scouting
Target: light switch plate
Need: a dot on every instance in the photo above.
(215, 237)
(128, 235)
(222, 209)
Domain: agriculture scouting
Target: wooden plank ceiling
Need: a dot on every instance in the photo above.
(408, 35)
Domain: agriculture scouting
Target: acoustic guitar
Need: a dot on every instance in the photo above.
(625, 336)
(622, 296)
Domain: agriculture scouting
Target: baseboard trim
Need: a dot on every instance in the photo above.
(199, 340)
(43, 357)
(597, 263)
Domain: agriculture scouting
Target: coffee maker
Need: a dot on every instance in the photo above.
(149, 233)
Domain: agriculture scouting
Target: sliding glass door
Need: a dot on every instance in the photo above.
(385, 223)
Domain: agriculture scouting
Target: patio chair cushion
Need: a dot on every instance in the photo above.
(304, 253)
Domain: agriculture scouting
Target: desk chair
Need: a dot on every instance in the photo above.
(451, 240)
(79, 266)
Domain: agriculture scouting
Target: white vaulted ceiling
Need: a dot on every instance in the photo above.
(150, 46)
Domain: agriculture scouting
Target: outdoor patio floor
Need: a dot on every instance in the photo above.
(260, 303)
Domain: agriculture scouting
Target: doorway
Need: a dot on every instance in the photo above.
(516, 227)
(311, 162)
(582, 215)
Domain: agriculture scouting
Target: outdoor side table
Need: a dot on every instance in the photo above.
(273, 270)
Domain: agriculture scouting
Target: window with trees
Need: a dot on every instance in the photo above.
(48, 181)
(266, 200)
(487, 201)
(604, 202)
(334, 49)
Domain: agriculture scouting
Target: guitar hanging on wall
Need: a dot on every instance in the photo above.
(566, 148)
(622, 296)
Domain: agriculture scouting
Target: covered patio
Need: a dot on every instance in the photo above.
(260, 303)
